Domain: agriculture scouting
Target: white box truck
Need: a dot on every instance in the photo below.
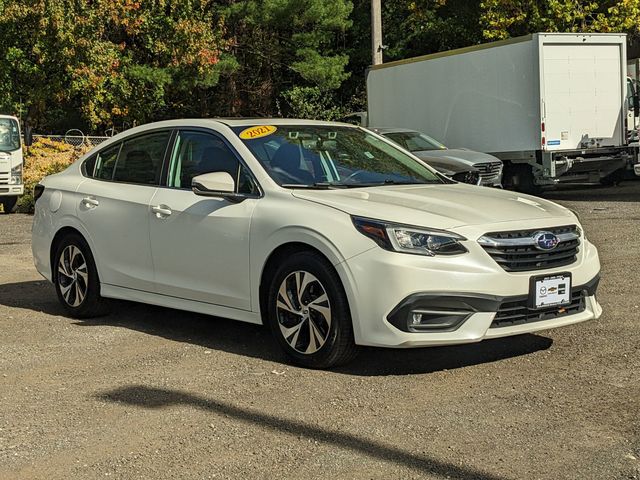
(11, 162)
(552, 106)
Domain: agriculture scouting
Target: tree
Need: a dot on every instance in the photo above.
(508, 18)
(108, 61)
(279, 44)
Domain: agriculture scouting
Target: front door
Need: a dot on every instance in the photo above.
(200, 245)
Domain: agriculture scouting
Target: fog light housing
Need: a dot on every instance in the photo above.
(432, 320)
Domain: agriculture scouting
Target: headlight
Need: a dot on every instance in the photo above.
(409, 239)
(16, 175)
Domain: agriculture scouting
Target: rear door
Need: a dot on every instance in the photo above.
(583, 97)
(114, 207)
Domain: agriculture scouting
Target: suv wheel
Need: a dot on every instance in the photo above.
(309, 314)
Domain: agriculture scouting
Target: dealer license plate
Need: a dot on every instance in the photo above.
(551, 291)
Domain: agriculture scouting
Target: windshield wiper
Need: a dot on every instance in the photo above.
(392, 182)
(316, 185)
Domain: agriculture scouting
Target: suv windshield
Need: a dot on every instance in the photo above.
(415, 141)
(9, 135)
(331, 156)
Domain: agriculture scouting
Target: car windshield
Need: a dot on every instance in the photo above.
(415, 141)
(313, 156)
(9, 135)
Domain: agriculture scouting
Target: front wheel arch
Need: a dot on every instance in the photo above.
(271, 264)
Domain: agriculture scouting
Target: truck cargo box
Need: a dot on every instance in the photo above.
(522, 99)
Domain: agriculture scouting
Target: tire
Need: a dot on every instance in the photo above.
(520, 178)
(76, 278)
(613, 179)
(314, 332)
(8, 204)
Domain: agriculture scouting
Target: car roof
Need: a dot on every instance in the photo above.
(392, 130)
(247, 122)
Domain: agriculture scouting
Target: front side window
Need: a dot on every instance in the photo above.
(325, 156)
(9, 135)
(415, 141)
(195, 153)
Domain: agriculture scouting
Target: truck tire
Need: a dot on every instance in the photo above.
(521, 179)
(613, 178)
(8, 204)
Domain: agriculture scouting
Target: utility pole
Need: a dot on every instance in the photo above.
(376, 32)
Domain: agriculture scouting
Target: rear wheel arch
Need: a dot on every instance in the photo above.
(57, 238)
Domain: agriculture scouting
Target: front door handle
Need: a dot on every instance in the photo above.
(90, 202)
(161, 211)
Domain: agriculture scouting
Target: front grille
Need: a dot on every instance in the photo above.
(517, 312)
(489, 170)
(515, 251)
(467, 177)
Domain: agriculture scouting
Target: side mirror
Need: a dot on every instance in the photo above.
(216, 184)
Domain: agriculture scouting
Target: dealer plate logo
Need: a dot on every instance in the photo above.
(545, 241)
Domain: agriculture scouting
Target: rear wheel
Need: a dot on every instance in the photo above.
(76, 278)
(521, 179)
(308, 312)
(613, 178)
(8, 204)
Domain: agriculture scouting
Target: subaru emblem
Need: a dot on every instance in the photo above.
(545, 240)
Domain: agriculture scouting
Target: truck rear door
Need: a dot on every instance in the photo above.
(582, 94)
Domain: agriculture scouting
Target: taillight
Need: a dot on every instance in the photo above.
(38, 190)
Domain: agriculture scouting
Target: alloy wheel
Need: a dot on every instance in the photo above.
(303, 312)
(73, 276)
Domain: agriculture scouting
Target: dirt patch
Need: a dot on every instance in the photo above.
(148, 392)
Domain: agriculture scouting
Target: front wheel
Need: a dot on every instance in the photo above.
(8, 204)
(76, 278)
(309, 314)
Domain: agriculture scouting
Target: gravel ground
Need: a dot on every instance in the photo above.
(149, 392)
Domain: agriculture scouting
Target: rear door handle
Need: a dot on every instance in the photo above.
(161, 211)
(90, 202)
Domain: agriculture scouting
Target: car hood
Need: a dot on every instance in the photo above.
(461, 155)
(446, 165)
(444, 206)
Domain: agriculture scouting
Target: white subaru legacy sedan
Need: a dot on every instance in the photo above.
(328, 233)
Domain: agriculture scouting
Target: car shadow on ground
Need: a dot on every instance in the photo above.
(626, 191)
(255, 340)
(157, 398)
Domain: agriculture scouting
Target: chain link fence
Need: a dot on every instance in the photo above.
(75, 140)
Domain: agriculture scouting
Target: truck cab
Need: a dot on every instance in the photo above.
(11, 163)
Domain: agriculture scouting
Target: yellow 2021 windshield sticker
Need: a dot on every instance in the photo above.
(257, 132)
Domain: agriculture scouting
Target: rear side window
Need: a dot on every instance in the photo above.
(105, 163)
(140, 159)
(89, 165)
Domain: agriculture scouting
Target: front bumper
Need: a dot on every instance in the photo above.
(380, 283)
(8, 190)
